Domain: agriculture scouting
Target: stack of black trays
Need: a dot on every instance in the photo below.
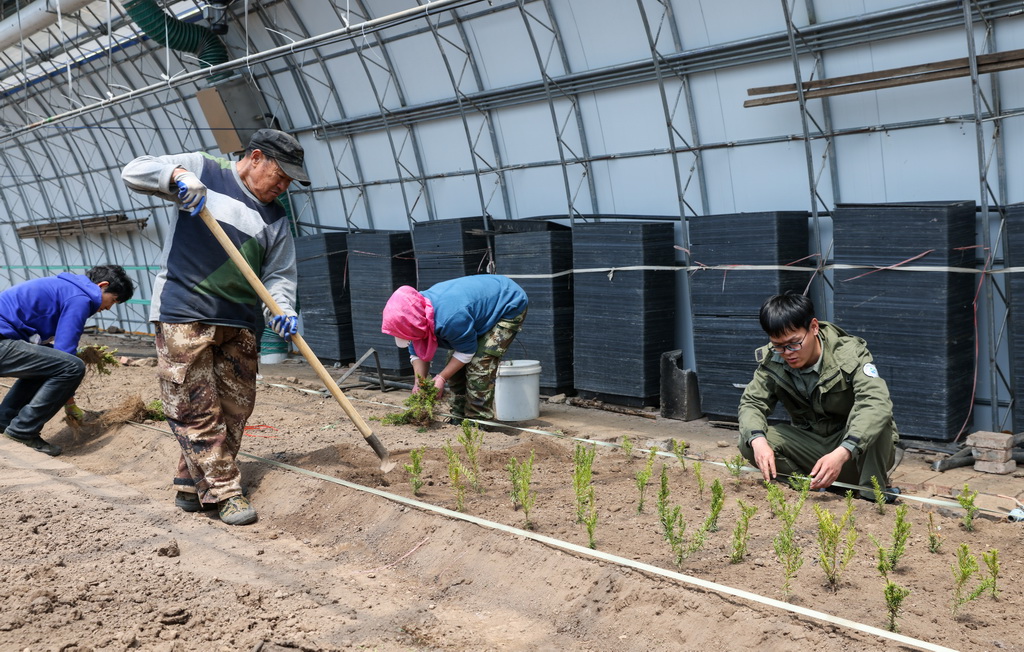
(547, 333)
(378, 264)
(919, 326)
(324, 295)
(623, 321)
(726, 302)
(1014, 248)
(447, 249)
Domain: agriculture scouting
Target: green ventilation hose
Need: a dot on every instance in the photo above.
(179, 35)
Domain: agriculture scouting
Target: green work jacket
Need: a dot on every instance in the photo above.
(849, 398)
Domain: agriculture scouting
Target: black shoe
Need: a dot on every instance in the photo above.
(39, 444)
(891, 494)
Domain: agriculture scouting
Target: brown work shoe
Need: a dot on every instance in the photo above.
(237, 510)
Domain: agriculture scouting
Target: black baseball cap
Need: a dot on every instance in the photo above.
(284, 149)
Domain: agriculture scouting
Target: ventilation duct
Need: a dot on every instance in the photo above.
(35, 17)
(177, 34)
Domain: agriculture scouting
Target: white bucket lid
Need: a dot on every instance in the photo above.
(518, 367)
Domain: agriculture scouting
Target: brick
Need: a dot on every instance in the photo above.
(983, 439)
(995, 467)
(991, 454)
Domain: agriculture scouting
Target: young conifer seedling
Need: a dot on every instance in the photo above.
(419, 407)
(472, 438)
(776, 499)
(879, 495)
(934, 538)
(590, 518)
(415, 469)
(894, 597)
(663, 494)
(739, 533)
(456, 475)
(700, 478)
(964, 569)
(627, 447)
(835, 541)
(735, 467)
(966, 500)
(679, 450)
(582, 474)
(643, 476)
(717, 502)
(520, 473)
(991, 559)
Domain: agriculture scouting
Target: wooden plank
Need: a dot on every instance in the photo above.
(884, 83)
(963, 62)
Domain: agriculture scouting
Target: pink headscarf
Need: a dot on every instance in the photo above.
(410, 316)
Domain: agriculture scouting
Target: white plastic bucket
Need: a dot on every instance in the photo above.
(273, 349)
(517, 390)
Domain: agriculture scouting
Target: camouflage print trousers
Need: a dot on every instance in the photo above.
(472, 387)
(208, 385)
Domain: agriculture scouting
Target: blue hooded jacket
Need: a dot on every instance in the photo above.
(56, 306)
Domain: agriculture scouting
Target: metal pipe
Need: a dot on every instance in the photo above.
(35, 17)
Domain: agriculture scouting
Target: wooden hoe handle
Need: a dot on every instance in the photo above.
(261, 290)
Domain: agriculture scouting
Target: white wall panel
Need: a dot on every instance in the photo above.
(600, 33)
(536, 191)
(352, 86)
(455, 197)
(525, 134)
(758, 178)
(641, 186)
(722, 21)
(422, 70)
(629, 119)
(502, 49)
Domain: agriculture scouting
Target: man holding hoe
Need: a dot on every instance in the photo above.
(206, 313)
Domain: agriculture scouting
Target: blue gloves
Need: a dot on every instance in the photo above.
(285, 326)
(191, 192)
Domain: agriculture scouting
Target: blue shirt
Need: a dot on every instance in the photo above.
(56, 307)
(466, 308)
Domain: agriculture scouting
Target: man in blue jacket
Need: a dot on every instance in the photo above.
(41, 322)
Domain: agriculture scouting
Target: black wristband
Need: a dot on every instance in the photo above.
(754, 434)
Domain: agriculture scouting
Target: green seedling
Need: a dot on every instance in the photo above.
(991, 559)
(456, 476)
(934, 538)
(894, 597)
(735, 466)
(776, 498)
(835, 541)
(419, 407)
(679, 450)
(99, 358)
(786, 549)
(590, 518)
(740, 532)
(472, 438)
(966, 500)
(582, 474)
(663, 494)
(683, 546)
(415, 469)
(888, 558)
(964, 569)
(643, 476)
(717, 502)
(697, 473)
(155, 410)
(627, 447)
(879, 494)
(520, 473)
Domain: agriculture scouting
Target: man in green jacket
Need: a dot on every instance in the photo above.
(842, 428)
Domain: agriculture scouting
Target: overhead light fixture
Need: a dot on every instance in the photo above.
(216, 13)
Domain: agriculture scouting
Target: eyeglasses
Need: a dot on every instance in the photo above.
(792, 346)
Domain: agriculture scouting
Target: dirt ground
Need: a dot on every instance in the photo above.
(94, 555)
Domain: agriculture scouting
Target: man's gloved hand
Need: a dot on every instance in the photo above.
(285, 326)
(439, 383)
(74, 412)
(191, 192)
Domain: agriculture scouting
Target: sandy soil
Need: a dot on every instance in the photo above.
(94, 555)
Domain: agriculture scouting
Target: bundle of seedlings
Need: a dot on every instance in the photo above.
(420, 407)
(98, 358)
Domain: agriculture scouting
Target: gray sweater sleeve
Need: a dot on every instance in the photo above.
(151, 175)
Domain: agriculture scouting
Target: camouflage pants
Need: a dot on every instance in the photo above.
(472, 387)
(208, 386)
